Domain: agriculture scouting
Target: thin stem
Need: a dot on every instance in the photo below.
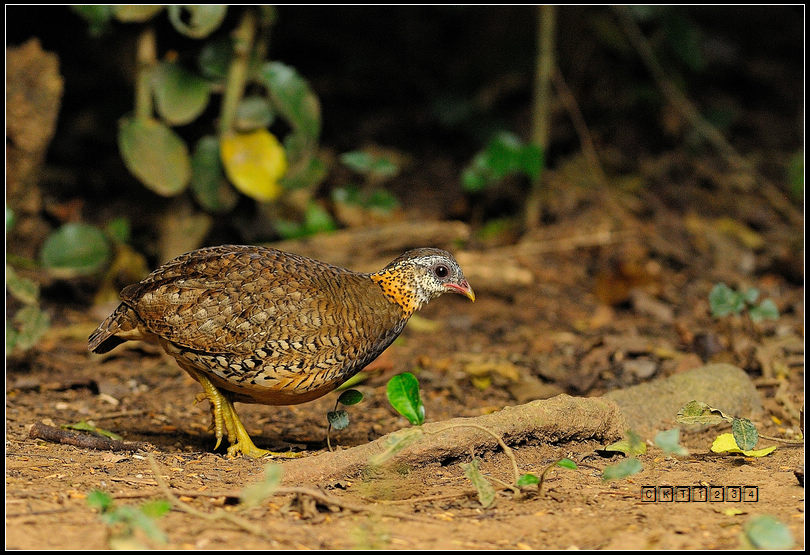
(541, 109)
(146, 58)
(243, 37)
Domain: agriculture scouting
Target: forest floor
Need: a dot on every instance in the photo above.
(612, 293)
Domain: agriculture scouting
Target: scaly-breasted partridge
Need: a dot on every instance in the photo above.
(259, 325)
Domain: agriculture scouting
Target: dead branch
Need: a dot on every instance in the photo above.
(85, 441)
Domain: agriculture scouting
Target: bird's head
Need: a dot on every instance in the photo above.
(420, 275)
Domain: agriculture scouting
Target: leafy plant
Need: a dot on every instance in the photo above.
(504, 155)
(126, 523)
(724, 301)
(743, 438)
(256, 93)
(766, 532)
(339, 419)
(29, 322)
(403, 394)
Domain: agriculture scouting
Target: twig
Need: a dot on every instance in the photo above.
(85, 441)
(216, 515)
(581, 128)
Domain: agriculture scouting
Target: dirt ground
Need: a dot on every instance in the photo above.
(564, 330)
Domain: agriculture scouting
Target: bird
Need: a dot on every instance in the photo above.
(254, 324)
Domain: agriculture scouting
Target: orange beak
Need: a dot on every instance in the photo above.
(462, 288)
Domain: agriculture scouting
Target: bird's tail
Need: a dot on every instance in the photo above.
(104, 338)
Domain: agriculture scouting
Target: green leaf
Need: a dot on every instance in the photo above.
(697, 412)
(118, 229)
(136, 13)
(532, 161)
(156, 508)
(631, 444)
(767, 532)
(528, 479)
(751, 295)
(306, 173)
(293, 99)
(23, 289)
(724, 301)
(180, 95)
(208, 183)
(765, 311)
(626, 468)
(155, 155)
(84, 426)
(567, 463)
(350, 397)
(486, 493)
(100, 500)
(252, 113)
(75, 249)
(317, 219)
(669, 442)
(9, 219)
(339, 419)
(203, 19)
(255, 494)
(215, 57)
(395, 443)
(745, 433)
(403, 394)
(138, 519)
(368, 164)
(97, 16)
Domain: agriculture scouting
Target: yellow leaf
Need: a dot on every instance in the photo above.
(725, 444)
(254, 162)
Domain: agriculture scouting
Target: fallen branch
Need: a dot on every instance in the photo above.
(562, 418)
(86, 441)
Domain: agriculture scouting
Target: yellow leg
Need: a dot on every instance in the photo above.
(226, 420)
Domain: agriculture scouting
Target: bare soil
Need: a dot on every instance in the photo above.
(561, 332)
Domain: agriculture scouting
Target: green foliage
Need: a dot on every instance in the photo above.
(180, 95)
(375, 167)
(403, 394)
(159, 158)
(631, 445)
(626, 468)
(155, 154)
(725, 301)
(255, 494)
(202, 19)
(125, 523)
(745, 433)
(339, 419)
(669, 442)
(377, 199)
(316, 220)
(486, 493)
(766, 532)
(504, 155)
(84, 426)
(208, 184)
(75, 249)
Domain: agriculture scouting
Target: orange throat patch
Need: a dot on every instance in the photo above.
(399, 289)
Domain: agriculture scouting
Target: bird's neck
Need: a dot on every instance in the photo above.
(400, 288)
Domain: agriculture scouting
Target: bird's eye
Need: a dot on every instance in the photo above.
(441, 271)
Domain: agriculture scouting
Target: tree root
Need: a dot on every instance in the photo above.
(562, 418)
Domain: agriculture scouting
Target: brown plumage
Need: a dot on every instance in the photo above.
(259, 325)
